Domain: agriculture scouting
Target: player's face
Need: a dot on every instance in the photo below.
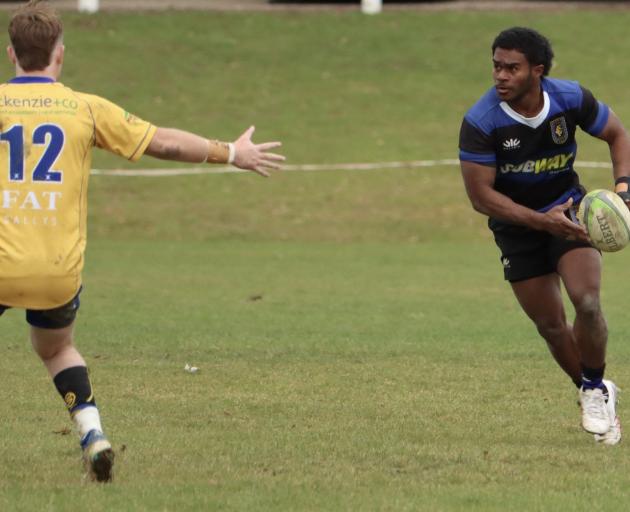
(513, 75)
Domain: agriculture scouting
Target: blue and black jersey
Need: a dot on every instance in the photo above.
(534, 156)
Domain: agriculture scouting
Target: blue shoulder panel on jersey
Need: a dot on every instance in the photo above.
(31, 80)
(478, 158)
(567, 94)
(486, 115)
(603, 112)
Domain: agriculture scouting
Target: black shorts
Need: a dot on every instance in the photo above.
(56, 318)
(528, 253)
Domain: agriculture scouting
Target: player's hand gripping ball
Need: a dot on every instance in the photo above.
(607, 220)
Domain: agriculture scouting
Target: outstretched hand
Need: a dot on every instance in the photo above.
(256, 157)
(557, 223)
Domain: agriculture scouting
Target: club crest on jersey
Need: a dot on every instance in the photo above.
(559, 131)
(511, 144)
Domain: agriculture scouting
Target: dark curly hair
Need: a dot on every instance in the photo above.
(535, 46)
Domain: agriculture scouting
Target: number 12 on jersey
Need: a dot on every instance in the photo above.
(49, 135)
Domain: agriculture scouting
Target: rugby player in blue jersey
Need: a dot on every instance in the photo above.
(517, 150)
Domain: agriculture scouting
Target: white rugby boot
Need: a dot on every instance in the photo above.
(595, 417)
(613, 436)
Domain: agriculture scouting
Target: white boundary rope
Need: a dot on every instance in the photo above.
(413, 164)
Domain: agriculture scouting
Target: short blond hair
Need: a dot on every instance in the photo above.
(34, 30)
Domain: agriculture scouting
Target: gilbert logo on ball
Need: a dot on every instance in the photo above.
(607, 220)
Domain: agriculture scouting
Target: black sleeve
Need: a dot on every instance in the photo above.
(588, 110)
(473, 140)
(475, 145)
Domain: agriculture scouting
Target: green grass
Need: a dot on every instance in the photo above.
(358, 349)
(334, 87)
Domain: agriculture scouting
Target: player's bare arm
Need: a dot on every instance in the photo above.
(182, 146)
(479, 181)
(617, 138)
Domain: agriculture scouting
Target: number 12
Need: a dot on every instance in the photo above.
(14, 136)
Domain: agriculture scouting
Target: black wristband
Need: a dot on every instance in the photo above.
(625, 196)
(622, 179)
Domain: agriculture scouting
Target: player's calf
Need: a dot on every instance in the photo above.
(74, 386)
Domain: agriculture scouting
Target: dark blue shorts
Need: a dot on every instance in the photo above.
(56, 318)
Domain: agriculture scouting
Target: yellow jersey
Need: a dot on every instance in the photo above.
(47, 132)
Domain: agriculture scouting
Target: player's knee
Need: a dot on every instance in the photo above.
(588, 306)
(551, 329)
(49, 346)
(49, 353)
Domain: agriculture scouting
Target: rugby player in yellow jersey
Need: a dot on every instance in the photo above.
(47, 132)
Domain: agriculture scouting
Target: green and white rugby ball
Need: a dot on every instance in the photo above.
(607, 220)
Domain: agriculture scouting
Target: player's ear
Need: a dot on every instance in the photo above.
(538, 70)
(59, 53)
(11, 54)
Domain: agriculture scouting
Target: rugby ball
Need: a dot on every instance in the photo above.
(607, 220)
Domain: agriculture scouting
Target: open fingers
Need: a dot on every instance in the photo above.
(269, 164)
(577, 232)
(273, 156)
(259, 169)
(265, 146)
(247, 134)
(564, 206)
(577, 228)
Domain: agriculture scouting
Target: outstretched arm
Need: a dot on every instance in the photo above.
(479, 181)
(182, 146)
(617, 138)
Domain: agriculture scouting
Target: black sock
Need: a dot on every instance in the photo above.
(74, 387)
(592, 377)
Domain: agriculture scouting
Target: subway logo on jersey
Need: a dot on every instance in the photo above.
(556, 163)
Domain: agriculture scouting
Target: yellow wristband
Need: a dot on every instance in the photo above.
(219, 152)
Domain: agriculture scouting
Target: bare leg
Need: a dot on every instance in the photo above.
(541, 298)
(56, 349)
(68, 370)
(580, 270)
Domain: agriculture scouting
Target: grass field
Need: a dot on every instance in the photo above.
(358, 349)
